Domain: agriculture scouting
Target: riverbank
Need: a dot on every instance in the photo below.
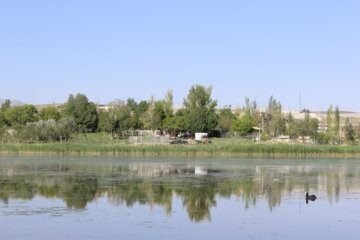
(234, 149)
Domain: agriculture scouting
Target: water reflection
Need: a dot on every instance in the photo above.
(198, 186)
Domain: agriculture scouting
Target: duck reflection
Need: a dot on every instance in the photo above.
(309, 197)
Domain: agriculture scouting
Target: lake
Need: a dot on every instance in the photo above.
(83, 197)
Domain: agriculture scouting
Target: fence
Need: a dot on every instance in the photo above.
(147, 139)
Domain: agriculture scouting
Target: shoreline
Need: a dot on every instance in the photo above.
(241, 150)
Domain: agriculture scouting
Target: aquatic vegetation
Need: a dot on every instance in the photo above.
(216, 148)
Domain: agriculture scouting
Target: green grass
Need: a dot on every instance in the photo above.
(217, 147)
(96, 138)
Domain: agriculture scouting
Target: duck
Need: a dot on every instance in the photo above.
(309, 197)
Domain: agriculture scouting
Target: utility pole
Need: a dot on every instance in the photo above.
(259, 134)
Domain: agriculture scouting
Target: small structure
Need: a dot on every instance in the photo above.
(199, 170)
(305, 139)
(201, 138)
(283, 138)
(103, 107)
(322, 129)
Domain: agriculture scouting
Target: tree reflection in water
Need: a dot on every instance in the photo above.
(154, 184)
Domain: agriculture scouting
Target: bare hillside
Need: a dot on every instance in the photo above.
(322, 116)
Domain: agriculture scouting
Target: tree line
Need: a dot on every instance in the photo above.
(199, 114)
(77, 187)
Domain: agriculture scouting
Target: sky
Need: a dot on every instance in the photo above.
(118, 49)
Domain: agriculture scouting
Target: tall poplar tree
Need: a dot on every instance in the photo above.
(200, 115)
(337, 121)
(329, 119)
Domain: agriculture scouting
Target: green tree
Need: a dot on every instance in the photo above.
(275, 122)
(349, 131)
(303, 127)
(120, 117)
(107, 122)
(168, 104)
(156, 112)
(337, 122)
(324, 138)
(329, 119)
(158, 115)
(200, 113)
(123, 118)
(131, 104)
(3, 120)
(174, 124)
(65, 127)
(6, 105)
(357, 131)
(69, 106)
(243, 125)
(21, 114)
(49, 113)
(148, 118)
(291, 125)
(48, 131)
(313, 127)
(225, 119)
(83, 112)
(140, 110)
(250, 108)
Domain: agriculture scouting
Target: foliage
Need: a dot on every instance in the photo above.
(188, 149)
(136, 110)
(349, 131)
(313, 127)
(40, 131)
(21, 114)
(122, 115)
(167, 104)
(303, 127)
(265, 137)
(140, 109)
(274, 119)
(197, 115)
(250, 108)
(174, 124)
(200, 113)
(83, 112)
(323, 138)
(152, 118)
(225, 119)
(6, 105)
(49, 113)
(65, 127)
(118, 118)
(337, 121)
(243, 125)
(329, 119)
(107, 122)
(3, 120)
(157, 111)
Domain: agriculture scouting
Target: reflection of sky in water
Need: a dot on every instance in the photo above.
(103, 220)
(225, 198)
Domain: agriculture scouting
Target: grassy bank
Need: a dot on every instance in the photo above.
(216, 148)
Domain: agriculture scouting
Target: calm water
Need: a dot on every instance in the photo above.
(177, 198)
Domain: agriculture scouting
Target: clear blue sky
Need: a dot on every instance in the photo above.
(111, 49)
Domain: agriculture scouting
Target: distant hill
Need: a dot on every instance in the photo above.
(354, 117)
(13, 102)
(55, 105)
